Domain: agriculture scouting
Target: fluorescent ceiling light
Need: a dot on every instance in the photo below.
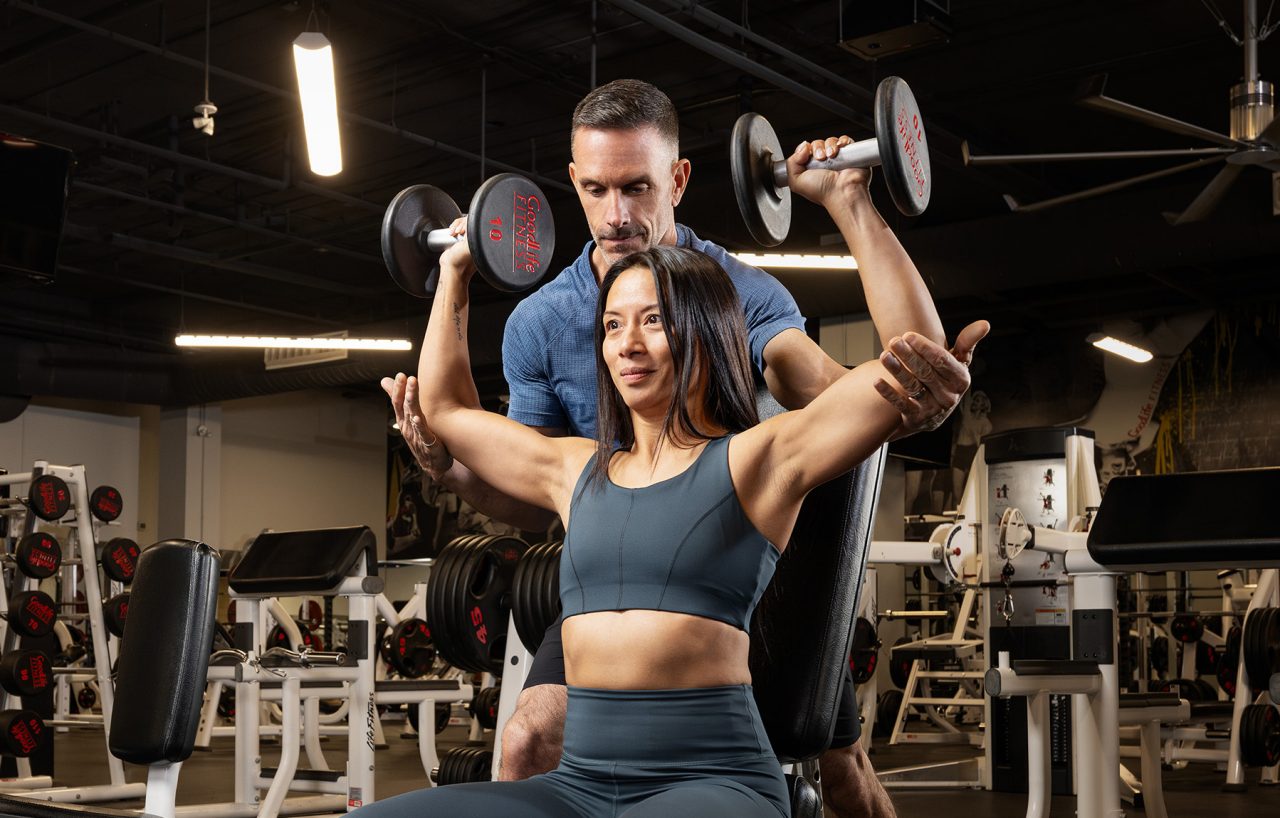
(278, 342)
(313, 60)
(1118, 347)
(795, 261)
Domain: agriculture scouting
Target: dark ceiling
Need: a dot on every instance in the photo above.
(168, 229)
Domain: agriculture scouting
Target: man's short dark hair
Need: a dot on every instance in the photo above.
(626, 105)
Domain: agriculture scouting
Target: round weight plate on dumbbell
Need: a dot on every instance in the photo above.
(32, 613)
(86, 699)
(465, 765)
(105, 503)
(485, 707)
(469, 602)
(120, 559)
(410, 650)
(39, 555)
(1207, 658)
(1158, 654)
(887, 706)
(899, 668)
(443, 606)
(227, 703)
(753, 148)
(48, 497)
(904, 151)
(1260, 735)
(25, 672)
(413, 213)
(864, 655)
(1261, 645)
(278, 638)
(1229, 661)
(21, 732)
(511, 231)
(114, 613)
(1186, 629)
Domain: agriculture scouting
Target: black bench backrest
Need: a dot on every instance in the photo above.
(1169, 522)
(302, 562)
(164, 654)
(803, 628)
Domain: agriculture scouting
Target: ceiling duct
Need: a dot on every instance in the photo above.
(873, 29)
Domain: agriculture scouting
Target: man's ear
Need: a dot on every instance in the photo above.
(573, 175)
(680, 170)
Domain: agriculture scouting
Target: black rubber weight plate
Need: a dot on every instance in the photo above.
(415, 210)
(753, 147)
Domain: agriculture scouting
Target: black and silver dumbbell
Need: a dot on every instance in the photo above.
(509, 226)
(759, 166)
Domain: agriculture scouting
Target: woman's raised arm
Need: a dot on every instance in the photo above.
(509, 456)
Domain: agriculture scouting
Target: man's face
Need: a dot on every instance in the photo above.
(629, 183)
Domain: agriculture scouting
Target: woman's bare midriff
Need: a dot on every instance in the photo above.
(653, 650)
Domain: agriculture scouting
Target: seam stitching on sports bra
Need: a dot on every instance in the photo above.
(579, 491)
(675, 555)
(622, 535)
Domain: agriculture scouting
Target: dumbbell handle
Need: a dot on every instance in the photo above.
(440, 239)
(862, 154)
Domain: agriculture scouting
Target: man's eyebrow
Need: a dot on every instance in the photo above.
(639, 180)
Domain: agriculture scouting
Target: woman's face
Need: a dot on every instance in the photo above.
(635, 346)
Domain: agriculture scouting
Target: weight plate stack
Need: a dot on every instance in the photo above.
(865, 653)
(1260, 648)
(1260, 735)
(469, 600)
(409, 649)
(485, 707)
(464, 765)
(535, 592)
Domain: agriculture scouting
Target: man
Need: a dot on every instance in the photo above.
(629, 178)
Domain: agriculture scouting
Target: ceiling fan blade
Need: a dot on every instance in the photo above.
(1271, 133)
(1208, 199)
(1045, 204)
(1097, 99)
(1022, 158)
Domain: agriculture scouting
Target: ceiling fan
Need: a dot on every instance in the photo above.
(1254, 137)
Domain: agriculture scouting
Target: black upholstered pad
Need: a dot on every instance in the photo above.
(1211, 519)
(803, 628)
(11, 807)
(287, 562)
(164, 655)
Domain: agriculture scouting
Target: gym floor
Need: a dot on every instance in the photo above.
(1193, 792)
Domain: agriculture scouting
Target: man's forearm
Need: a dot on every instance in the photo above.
(492, 503)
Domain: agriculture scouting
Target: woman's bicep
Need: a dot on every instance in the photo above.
(515, 459)
(841, 427)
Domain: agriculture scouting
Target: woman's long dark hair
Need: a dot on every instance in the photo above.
(702, 319)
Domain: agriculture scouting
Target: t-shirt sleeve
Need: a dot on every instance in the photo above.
(533, 401)
(769, 310)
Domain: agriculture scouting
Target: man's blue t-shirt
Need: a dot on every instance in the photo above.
(548, 347)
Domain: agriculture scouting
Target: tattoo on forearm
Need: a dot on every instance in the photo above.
(457, 319)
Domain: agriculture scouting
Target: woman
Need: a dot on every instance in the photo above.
(671, 539)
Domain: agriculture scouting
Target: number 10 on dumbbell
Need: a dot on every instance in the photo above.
(510, 228)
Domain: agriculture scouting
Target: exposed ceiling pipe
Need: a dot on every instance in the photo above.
(276, 235)
(195, 296)
(279, 92)
(743, 63)
(725, 26)
(156, 248)
(183, 159)
(739, 61)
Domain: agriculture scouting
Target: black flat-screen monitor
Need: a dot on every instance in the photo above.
(33, 203)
